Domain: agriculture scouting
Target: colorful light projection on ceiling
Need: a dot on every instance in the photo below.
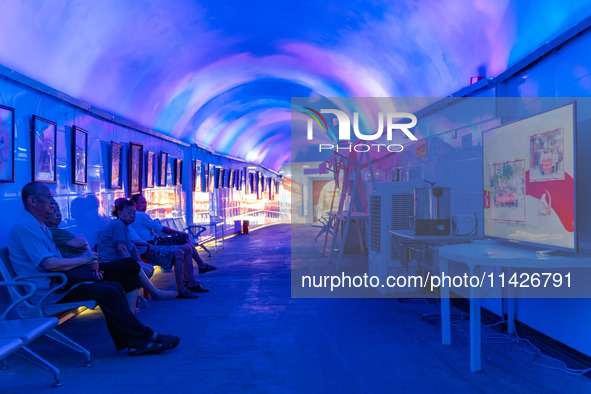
(222, 74)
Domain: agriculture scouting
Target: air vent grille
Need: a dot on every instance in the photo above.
(375, 222)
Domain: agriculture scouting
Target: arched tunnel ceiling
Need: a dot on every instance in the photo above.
(221, 74)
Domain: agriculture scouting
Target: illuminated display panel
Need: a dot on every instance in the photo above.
(529, 172)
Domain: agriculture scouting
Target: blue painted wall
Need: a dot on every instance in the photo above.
(86, 208)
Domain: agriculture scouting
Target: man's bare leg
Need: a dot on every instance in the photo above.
(178, 270)
(188, 263)
(196, 256)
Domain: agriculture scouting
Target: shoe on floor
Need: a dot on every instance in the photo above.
(169, 340)
(207, 268)
(197, 288)
(150, 348)
(187, 294)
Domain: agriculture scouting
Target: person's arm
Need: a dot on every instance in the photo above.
(62, 237)
(141, 243)
(78, 242)
(168, 230)
(122, 249)
(159, 228)
(135, 254)
(63, 264)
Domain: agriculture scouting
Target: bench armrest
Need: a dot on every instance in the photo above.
(195, 230)
(29, 294)
(62, 283)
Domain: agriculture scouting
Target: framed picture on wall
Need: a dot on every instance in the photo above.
(163, 168)
(115, 180)
(136, 154)
(250, 180)
(205, 170)
(6, 144)
(178, 172)
(258, 185)
(197, 176)
(247, 182)
(223, 179)
(79, 156)
(232, 179)
(212, 177)
(150, 169)
(238, 180)
(271, 189)
(219, 181)
(43, 150)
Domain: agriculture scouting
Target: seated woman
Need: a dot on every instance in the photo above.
(116, 242)
(125, 271)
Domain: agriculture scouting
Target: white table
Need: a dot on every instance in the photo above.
(493, 254)
(430, 240)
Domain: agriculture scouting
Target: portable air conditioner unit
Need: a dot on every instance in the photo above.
(391, 205)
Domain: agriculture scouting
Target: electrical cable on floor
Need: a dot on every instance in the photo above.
(538, 353)
(516, 340)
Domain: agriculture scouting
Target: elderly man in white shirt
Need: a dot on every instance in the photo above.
(146, 228)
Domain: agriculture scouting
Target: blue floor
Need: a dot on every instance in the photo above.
(248, 335)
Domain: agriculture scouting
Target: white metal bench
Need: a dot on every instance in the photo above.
(43, 309)
(16, 334)
(193, 230)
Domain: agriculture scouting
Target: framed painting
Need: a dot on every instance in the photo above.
(238, 180)
(222, 177)
(163, 168)
(231, 179)
(115, 180)
(43, 150)
(271, 188)
(150, 169)
(205, 185)
(136, 155)
(6, 144)
(197, 176)
(212, 177)
(258, 185)
(250, 180)
(178, 172)
(218, 183)
(79, 156)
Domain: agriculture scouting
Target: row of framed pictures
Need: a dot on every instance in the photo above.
(44, 157)
(208, 177)
(43, 149)
(136, 168)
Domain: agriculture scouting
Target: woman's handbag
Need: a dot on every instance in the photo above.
(76, 275)
(175, 239)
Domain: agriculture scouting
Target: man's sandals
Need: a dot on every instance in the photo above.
(161, 343)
